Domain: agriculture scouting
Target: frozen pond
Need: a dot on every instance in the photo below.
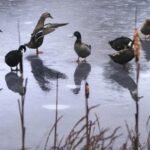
(110, 85)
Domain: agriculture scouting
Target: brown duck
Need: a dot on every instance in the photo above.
(41, 29)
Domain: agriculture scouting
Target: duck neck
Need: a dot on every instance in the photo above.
(39, 24)
(79, 40)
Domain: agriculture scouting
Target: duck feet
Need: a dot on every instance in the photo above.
(38, 52)
(78, 60)
(84, 60)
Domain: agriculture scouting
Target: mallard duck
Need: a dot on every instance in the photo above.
(14, 57)
(145, 29)
(83, 50)
(123, 56)
(37, 37)
(120, 43)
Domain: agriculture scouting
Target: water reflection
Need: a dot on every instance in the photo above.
(14, 82)
(134, 134)
(81, 73)
(117, 74)
(21, 107)
(48, 144)
(146, 47)
(42, 73)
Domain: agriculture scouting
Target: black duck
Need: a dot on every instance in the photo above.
(14, 57)
(120, 43)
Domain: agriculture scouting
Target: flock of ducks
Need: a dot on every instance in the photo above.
(123, 45)
(14, 57)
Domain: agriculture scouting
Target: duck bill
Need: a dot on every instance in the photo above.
(50, 16)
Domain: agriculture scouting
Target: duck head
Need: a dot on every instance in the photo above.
(77, 34)
(22, 47)
(46, 15)
(111, 43)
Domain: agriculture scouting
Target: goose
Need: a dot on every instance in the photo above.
(14, 57)
(123, 56)
(120, 43)
(145, 29)
(83, 50)
(37, 37)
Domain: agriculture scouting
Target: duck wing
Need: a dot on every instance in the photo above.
(55, 25)
(48, 28)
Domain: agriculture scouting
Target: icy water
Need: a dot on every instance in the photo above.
(110, 85)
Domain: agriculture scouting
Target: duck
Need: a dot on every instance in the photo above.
(120, 43)
(145, 29)
(122, 57)
(14, 58)
(41, 29)
(82, 50)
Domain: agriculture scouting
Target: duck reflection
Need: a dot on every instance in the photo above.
(81, 73)
(42, 73)
(136, 134)
(146, 47)
(120, 76)
(125, 81)
(14, 82)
